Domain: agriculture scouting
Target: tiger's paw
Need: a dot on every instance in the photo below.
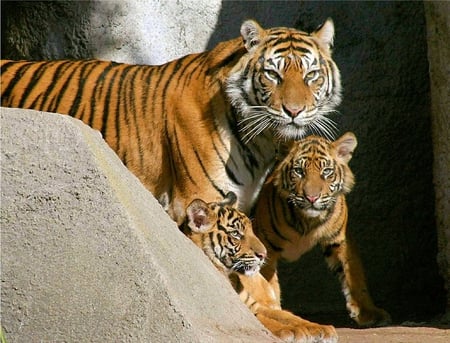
(297, 330)
(373, 316)
(313, 333)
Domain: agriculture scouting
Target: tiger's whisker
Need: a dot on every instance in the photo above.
(256, 130)
(255, 123)
(325, 126)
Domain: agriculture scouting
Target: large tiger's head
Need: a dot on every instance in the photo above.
(315, 172)
(225, 235)
(286, 83)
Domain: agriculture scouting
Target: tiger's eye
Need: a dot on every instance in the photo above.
(327, 172)
(299, 171)
(271, 74)
(235, 234)
(312, 76)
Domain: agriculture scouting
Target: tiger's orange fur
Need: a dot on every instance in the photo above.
(302, 205)
(201, 125)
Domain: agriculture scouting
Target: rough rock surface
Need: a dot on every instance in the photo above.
(438, 31)
(89, 255)
(160, 30)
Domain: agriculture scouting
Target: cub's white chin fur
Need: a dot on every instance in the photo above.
(310, 212)
(251, 272)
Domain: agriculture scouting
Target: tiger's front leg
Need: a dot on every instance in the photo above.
(293, 329)
(269, 272)
(343, 259)
(257, 293)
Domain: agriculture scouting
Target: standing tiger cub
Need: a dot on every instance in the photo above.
(199, 126)
(226, 237)
(303, 204)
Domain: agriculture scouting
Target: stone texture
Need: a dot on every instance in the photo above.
(89, 255)
(131, 31)
(438, 29)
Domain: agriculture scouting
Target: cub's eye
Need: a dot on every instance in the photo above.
(312, 76)
(273, 75)
(299, 171)
(235, 234)
(327, 172)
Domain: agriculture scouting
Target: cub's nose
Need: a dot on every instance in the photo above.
(261, 255)
(312, 198)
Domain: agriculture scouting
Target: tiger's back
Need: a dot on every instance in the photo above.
(136, 109)
(113, 106)
(119, 100)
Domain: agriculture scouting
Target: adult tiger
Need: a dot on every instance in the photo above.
(226, 237)
(303, 204)
(199, 126)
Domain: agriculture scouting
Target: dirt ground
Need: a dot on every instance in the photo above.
(395, 334)
(436, 330)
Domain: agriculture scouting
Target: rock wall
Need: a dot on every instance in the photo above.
(87, 253)
(438, 29)
(132, 31)
(381, 48)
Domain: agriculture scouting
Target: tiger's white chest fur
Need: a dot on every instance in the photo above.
(248, 192)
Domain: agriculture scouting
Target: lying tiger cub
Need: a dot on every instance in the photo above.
(226, 236)
(303, 204)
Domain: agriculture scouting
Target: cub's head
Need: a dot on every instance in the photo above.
(315, 172)
(225, 235)
(286, 83)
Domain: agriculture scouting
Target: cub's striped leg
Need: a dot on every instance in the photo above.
(291, 328)
(270, 273)
(343, 259)
(256, 292)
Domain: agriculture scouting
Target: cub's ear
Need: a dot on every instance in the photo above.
(344, 146)
(325, 34)
(200, 217)
(252, 33)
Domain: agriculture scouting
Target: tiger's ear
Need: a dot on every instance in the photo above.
(325, 34)
(344, 146)
(200, 217)
(252, 33)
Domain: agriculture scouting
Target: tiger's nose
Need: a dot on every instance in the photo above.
(312, 198)
(261, 255)
(292, 110)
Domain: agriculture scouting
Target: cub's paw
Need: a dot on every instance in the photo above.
(321, 333)
(293, 329)
(373, 316)
(307, 333)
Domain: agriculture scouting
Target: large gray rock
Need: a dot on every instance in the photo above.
(89, 255)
